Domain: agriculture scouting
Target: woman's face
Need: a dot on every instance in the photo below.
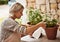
(18, 14)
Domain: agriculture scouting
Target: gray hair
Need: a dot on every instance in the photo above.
(16, 7)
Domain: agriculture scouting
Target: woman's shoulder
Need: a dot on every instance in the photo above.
(8, 21)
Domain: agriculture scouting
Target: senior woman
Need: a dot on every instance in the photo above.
(11, 30)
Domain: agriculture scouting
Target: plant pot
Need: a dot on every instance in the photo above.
(51, 32)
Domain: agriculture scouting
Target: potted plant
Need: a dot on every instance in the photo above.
(51, 27)
(34, 16)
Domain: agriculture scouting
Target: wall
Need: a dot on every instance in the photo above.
(51, 7)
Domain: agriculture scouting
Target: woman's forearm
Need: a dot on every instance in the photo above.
(34, 27)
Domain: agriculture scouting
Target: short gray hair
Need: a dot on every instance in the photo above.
(16, 7)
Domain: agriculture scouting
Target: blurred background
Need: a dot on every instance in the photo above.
(4, 9)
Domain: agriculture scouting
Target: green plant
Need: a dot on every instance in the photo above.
(50, 21)
(3, 2)
(34, 16)
(51, 26)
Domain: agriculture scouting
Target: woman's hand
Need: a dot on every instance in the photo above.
(42, 24)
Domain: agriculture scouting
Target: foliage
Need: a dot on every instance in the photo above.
(34, 16)
(3, 2)
(50, 21)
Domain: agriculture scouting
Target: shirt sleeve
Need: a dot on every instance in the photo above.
(11, 26)
(7, 25)
(22, 30)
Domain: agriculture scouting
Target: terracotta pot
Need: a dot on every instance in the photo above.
(51, 32)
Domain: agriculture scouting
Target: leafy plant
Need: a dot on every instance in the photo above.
(3, 2)
(34, 16)
(50, 21)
